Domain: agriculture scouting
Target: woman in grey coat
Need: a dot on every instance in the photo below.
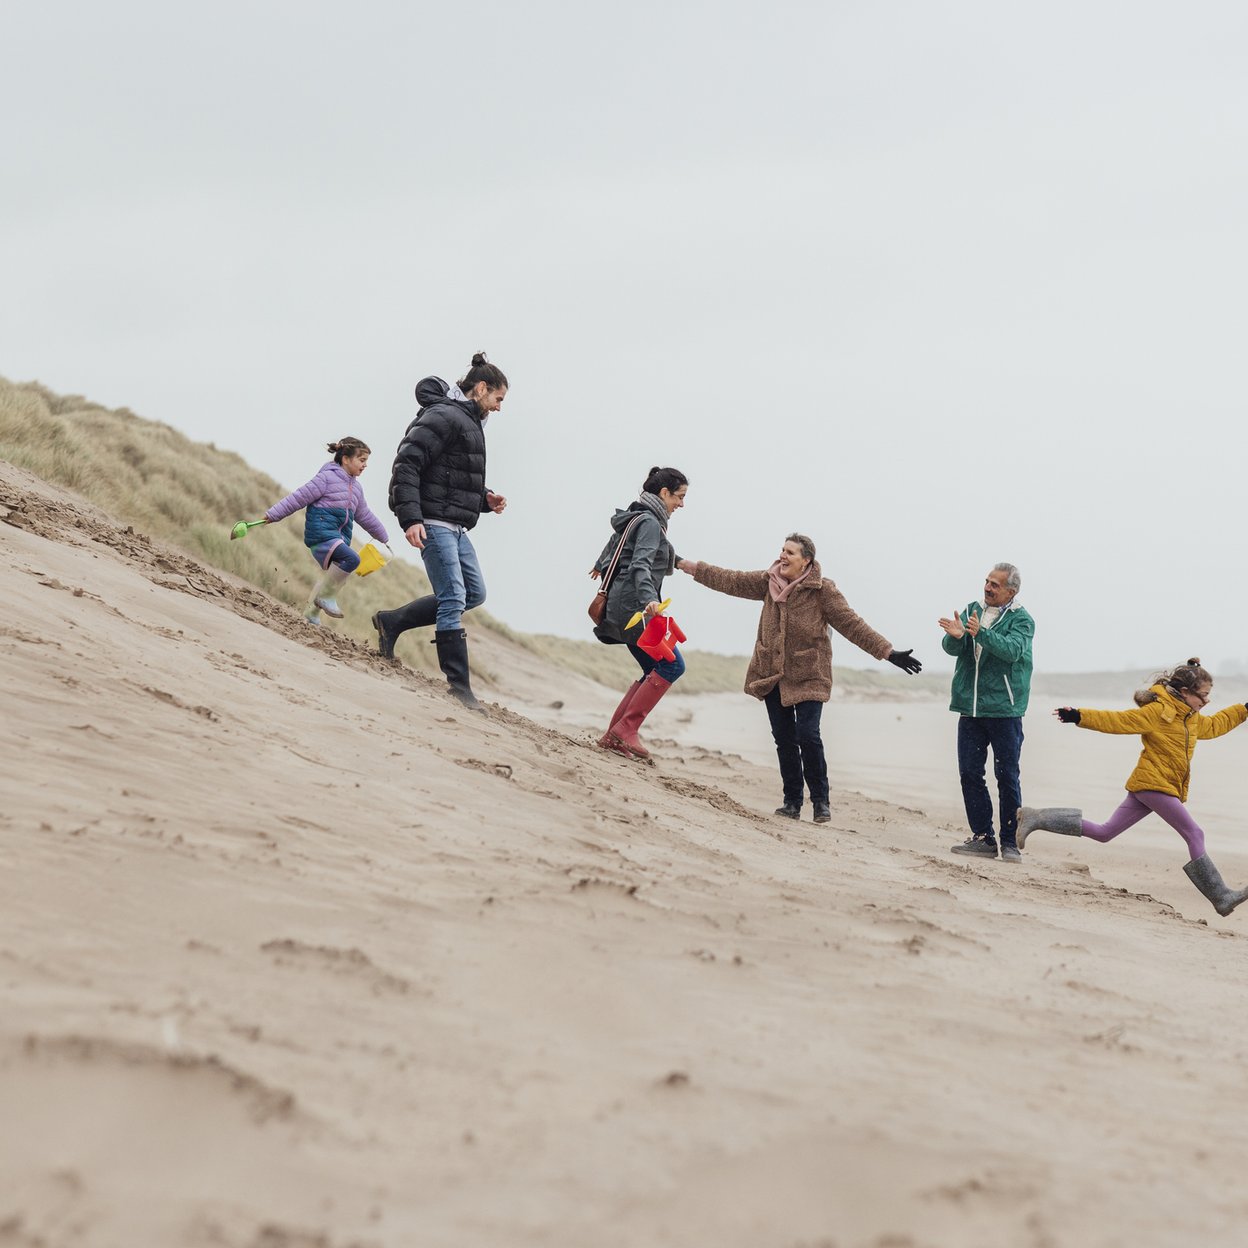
(646, 558)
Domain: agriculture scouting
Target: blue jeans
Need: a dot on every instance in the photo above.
(454, 573)
(670, 669)
(799, 747)
(1005, 736)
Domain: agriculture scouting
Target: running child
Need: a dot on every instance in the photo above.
(334, 500)
(1170, 722)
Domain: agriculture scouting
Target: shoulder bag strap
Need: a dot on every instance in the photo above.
(609, 575)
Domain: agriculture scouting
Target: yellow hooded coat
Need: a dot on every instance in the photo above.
(1170, 730)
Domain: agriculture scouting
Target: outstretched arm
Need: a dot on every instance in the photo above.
(1220, 723)
(841, 616)
(738, 584)
(1138, 719)
(305, 495)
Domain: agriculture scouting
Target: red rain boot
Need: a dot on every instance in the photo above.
(607, 740)
(640, 705)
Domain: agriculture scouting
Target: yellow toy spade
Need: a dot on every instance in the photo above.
(663, 606)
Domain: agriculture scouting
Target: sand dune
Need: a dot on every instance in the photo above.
(298, 953)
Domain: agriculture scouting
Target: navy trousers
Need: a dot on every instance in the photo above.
(1005, 737)
(799, 747)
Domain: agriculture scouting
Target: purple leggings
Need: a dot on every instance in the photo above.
(1136, 805)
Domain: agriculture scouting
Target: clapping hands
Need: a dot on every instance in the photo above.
(956, 629)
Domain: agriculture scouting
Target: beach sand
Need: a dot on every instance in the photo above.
(297, 953)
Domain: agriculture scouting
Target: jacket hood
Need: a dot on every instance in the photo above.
(1172, 700)
(430, 390)
(624, 514)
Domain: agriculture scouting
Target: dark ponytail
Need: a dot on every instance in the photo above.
(346, 448)
(483, 370)
(670, 479)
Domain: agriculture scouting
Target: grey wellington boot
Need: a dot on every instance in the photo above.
(1209, 880)
(1064, 820)
(325, 595)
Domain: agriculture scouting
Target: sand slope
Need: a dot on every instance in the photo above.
(295, 953)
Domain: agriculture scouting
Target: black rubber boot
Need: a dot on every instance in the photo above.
(419, 613)
(453, 660)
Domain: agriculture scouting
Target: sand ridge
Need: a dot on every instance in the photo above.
(297, 952)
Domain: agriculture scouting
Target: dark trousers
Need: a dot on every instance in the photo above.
(799, 747)
(1005, 736)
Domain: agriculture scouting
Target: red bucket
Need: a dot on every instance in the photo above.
(660, 637)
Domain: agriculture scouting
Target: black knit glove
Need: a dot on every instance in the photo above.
(1068, 714)
(905, 660)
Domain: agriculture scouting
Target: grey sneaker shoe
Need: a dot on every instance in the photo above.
(977, 847)
(1011, 853)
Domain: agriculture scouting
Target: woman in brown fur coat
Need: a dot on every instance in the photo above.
(791, 668)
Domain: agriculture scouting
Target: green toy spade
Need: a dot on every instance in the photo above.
(240, 529)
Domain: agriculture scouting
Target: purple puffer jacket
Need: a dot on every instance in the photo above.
(334, 500)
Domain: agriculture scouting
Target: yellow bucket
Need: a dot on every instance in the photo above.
(370, 560)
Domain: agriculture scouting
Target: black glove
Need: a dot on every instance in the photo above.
(1068, 714)
(904, 659)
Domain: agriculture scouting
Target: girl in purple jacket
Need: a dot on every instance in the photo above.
(332, 500)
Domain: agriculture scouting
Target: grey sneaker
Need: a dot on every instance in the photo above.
(1011, 853)
(977, 847)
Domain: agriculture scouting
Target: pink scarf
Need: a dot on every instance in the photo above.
(779, 587)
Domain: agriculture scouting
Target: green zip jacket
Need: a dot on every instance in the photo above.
(995, 682)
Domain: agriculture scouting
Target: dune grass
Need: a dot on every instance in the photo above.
(189, 494)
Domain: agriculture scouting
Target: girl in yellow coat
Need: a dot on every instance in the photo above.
(1169, 720)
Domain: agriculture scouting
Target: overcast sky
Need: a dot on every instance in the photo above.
(937, 284)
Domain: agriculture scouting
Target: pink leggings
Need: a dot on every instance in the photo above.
(1136, 805)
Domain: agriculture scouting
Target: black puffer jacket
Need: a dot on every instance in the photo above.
(648, 557)
(439, 468)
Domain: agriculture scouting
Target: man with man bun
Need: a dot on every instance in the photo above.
(438, 491)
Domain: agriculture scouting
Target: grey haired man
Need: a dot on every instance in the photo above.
(991, 641)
